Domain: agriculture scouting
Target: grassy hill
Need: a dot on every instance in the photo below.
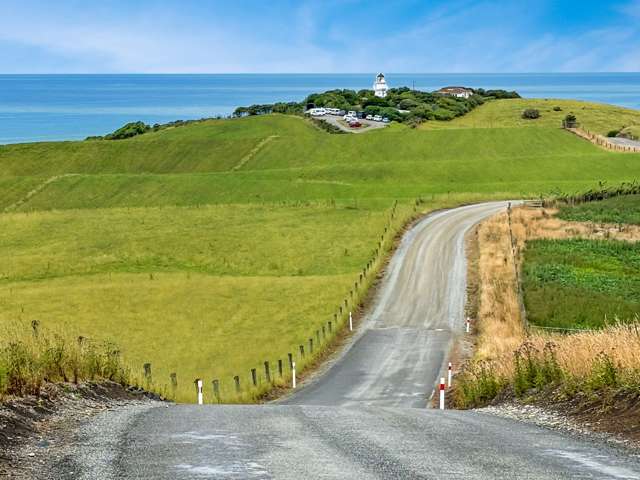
(596, 117)
(207, 249)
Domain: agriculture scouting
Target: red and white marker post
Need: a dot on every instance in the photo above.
(468, 325)
(350, 322)
(449, 376)
(442, 387)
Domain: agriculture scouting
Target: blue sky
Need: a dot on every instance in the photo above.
(334, 36)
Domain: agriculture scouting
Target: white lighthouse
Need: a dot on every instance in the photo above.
(380, 86)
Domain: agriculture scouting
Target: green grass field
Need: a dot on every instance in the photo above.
(581, 283)
(625, 209)
(595, 117)
(208, 249)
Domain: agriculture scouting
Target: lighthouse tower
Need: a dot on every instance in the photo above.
(380, 86)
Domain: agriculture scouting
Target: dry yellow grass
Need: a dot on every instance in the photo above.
(501, 328)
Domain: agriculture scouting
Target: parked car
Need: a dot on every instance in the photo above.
(333, 111)
(377, 118)
(369, 117)
(385, 120)
(347, 117)
(355, 124)
(352, 113)
(360, 115)
(342, 113)
(317, 112)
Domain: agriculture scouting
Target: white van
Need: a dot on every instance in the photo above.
(317, 112)
(333, 111)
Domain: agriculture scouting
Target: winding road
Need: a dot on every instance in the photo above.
(360, 419)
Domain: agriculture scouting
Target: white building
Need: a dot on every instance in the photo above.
(380, 86)
(460, 92)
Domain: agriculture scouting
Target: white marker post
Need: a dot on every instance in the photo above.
(468, 325)
(293, 374)
(442, 393)
(350, 323)
(199, 385)
(449, 376)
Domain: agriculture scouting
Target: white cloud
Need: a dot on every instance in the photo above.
(459, 36)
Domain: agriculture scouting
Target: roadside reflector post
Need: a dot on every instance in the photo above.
(198, 383)
(350, 322)
(293, 375)
(468, 325)
(442, 393)
(449, 376)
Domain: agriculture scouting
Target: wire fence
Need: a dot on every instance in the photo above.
(277, 373)
(602, 141)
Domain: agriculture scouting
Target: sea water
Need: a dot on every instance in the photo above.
(69, 107)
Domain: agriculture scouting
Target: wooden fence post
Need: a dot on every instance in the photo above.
(147, 372)
(236, 379)
(267, 371)
(254, 377)
(290, 355)
(280, 367)
(174, 383)
(216, 390)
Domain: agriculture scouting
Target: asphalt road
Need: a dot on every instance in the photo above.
(401, 352)
(356, 420)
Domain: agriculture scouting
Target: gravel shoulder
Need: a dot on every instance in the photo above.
(36, 433)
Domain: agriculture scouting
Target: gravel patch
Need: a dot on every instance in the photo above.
(554, 420)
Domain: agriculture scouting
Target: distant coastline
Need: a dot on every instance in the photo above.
(72, 107)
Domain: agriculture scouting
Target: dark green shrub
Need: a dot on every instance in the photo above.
(604, 372)
(531, 114)
(129, 130)
(477, 386)
(613, 133)
(557, 109)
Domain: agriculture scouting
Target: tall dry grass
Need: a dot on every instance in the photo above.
(31, 356)
(508, 355)
(499, 323)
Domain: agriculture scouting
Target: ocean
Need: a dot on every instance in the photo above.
(69, 107)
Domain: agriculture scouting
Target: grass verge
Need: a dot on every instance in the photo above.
(31, 356)
(596, 366)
